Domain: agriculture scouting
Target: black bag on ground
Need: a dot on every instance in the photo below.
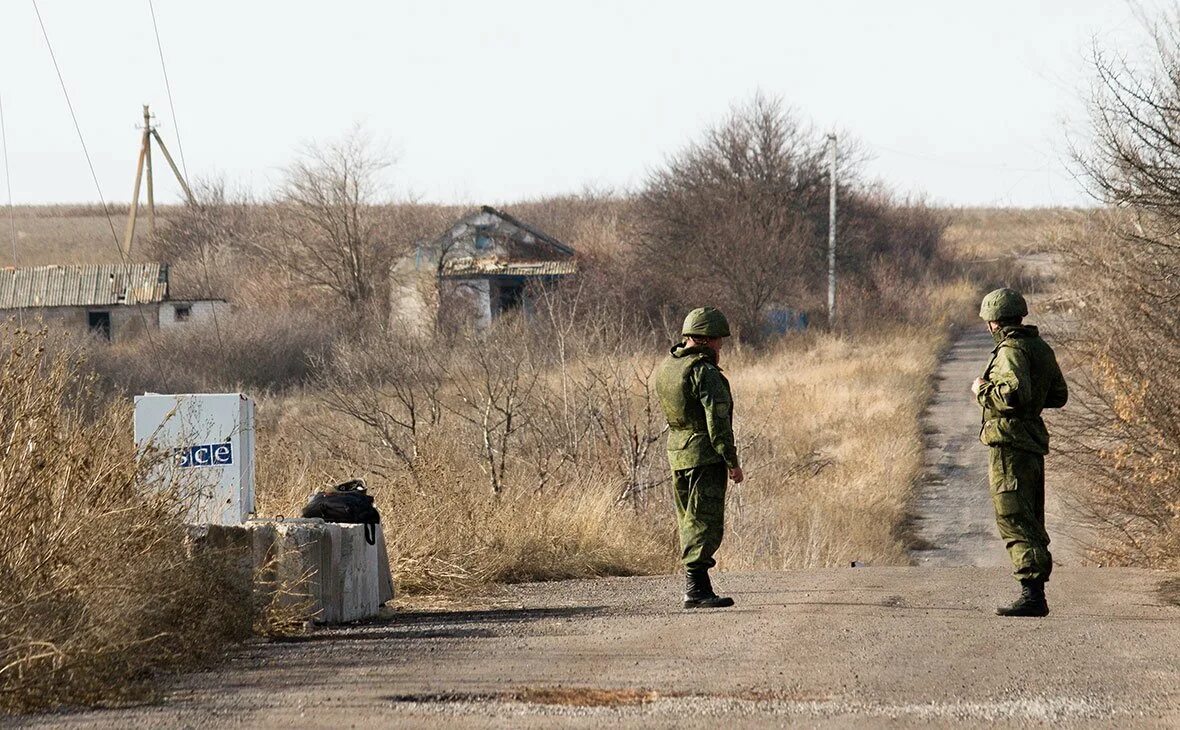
(348, 503)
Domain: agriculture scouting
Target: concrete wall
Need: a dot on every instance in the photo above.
(126, 320)
(469, 298)
(201, 313)
(413, 296)
(129, 320)
(330, 566)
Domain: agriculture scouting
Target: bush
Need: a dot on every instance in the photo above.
(254, 350)
(100, 593)
(740, 220)
(1124, 426)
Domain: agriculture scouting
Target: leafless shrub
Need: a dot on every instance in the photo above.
(388, 382)
(203, 242)
(492, 381)
(1124, 267)
(99, 590)
(598, 405)
(254, 350)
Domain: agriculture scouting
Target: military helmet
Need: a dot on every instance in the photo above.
(705, 322)
(1003, 304)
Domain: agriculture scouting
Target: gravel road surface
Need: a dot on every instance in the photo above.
(821, 648)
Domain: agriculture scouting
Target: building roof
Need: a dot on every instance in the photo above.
(477, 268)
(518, 241)
(82, 286)
(537, 233)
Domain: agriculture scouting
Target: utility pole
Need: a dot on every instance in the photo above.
(151, 194)
(145, 163)
(832, 232)
(145, 144)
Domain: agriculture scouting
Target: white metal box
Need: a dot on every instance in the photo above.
(203, 443)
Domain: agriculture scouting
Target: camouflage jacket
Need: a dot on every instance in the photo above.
(697, 403)
(1022, 379)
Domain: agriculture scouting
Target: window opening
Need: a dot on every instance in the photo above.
(99, 324)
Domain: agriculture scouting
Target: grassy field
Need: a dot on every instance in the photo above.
(829, 425)
(68, 234)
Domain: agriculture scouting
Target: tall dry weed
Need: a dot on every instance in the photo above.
(100, 593)
(833, 446)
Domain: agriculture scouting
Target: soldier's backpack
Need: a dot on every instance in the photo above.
(349, 503)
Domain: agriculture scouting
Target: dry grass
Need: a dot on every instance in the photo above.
(990, 233)
(448, 534)
(100, 593)
(253, 350)
(831, 430)
(829, 425)
(69, 234)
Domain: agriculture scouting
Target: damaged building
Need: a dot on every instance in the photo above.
(111, 301)
(486, 264)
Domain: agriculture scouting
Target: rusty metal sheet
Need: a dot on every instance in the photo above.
(90, 285)
(477, 267)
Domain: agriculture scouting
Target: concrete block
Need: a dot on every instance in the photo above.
(329, 566)
(384, 572)
(356, 592)
(233, 544)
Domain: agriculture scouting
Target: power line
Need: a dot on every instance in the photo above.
(958, 163)
(94, 176)
(168, 88)
(184, 165)
(77, 128)
(20, 314)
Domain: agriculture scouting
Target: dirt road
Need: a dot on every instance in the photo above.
(817, 647)
(955, 523)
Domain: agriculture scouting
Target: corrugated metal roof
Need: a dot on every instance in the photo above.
(472, 267)
(80, 286)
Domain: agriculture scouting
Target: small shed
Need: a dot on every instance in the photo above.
(487, 263)
(109, 300)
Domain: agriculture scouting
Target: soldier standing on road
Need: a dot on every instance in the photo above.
(696, 400)
(1020, 381)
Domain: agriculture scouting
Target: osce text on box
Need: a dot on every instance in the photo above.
(205, 455)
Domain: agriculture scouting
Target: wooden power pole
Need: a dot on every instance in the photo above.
(832, 233)
(145, 162)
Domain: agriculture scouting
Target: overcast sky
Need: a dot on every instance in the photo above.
(495, 101)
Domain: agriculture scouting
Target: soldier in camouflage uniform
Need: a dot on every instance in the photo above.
(697, 403)
(1021, 379)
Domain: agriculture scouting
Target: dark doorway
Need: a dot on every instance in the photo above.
(100, 324)
(511, 297)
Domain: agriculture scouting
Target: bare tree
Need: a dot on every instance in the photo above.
(203, 240)
(388, 383)
(740, 220)
(335, 226)
(493, 380)
(1124, 266)
(733, 219)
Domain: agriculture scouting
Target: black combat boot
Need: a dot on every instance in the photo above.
(1031, 602)
(698, 591)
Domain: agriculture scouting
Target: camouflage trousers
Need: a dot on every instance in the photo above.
(1017, 480)
(700, 512)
